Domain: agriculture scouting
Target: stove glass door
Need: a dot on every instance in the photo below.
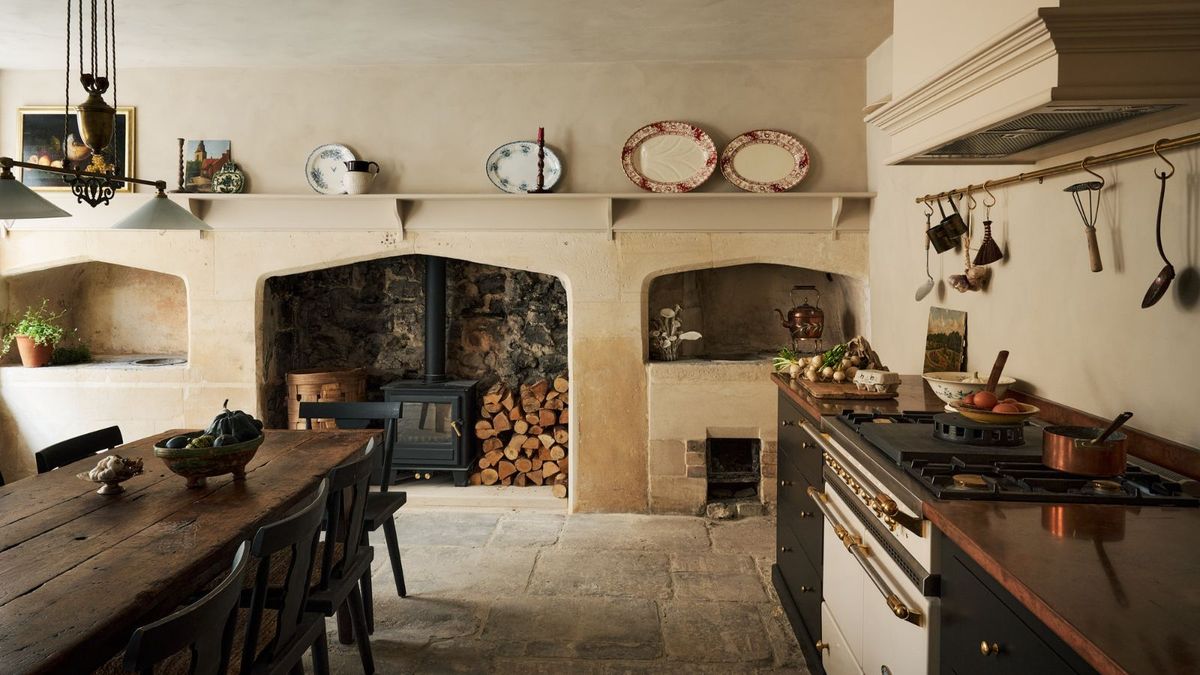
(429, 430)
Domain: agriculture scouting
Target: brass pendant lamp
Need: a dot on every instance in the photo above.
(96, 183)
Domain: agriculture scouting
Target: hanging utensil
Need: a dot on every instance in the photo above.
(989, 251)
(1089, 214)
(924, 288)
(945, 234)
(972, 277)
(1159, 286)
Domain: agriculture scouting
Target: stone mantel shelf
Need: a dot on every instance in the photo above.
(608, 213)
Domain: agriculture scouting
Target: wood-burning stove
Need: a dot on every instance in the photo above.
(438, 413)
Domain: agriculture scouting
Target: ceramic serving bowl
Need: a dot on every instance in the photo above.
(989, 417)
(196, 464)
(949, 386)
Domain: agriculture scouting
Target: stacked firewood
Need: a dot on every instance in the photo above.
(524, 435)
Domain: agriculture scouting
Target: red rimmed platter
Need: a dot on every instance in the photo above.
(765, 160)
(669, 157)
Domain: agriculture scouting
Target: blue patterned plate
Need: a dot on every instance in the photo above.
(325, 167)
(512, 167)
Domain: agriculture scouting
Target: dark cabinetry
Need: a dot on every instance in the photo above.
(986, 630)
(797, 572)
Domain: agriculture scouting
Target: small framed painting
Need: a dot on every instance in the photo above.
(946, 340)
(40, 129)
(201, 160)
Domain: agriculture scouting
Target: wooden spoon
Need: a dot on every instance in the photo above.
(997, 368)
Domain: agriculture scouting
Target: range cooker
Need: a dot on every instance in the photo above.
(880, 608)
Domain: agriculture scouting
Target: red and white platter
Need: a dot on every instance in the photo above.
(765, 161)
(669, 157)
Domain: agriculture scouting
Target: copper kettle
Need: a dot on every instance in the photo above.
(804, 320)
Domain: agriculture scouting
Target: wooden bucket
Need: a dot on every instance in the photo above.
(319, 384)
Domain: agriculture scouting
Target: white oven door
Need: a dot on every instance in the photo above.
(836, 657)
(880, 614)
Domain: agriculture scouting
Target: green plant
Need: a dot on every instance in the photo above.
(39, 325)
(70, 354)
(785, 359)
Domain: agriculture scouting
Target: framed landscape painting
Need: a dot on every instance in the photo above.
(946, 340)
(40, 129)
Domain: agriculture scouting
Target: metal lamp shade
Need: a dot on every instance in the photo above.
(18, 202)
(161, 213)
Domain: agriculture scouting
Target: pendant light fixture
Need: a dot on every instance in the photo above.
(96, 183)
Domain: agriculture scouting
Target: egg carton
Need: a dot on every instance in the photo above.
(880, 381)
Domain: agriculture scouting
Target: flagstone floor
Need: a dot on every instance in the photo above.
(534, 592)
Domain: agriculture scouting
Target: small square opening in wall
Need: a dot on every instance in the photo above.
(733, 467)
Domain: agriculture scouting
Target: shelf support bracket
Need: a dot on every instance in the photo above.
(836, 217)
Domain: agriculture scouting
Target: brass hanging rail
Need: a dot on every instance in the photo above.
(1058, 170)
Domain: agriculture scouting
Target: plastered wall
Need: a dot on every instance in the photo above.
(1075, 337)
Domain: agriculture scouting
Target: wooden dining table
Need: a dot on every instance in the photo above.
(80, 571)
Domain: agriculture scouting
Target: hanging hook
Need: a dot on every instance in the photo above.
(971, 203)
(928, 208)
(989, 194)
(1084, 165)
(1163, 175)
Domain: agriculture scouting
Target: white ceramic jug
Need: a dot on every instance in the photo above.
(359, 176)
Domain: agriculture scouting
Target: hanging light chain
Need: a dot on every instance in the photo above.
(112, 78)
(67, 89)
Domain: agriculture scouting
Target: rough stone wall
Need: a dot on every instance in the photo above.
(504, 324)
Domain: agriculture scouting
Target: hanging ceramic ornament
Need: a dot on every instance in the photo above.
(228, 179)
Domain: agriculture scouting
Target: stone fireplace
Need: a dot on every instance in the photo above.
(632, 420)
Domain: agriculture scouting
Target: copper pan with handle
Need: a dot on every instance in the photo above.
(1086, 451)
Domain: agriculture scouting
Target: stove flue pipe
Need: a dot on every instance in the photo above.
(435, 319)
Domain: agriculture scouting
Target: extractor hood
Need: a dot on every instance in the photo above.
(1062, 79)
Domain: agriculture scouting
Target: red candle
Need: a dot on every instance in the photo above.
(541, 134)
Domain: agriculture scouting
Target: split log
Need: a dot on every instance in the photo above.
(543, 453)
(524, 465)
(561, 435)
(549, 469)
(561, 385)
(493, 444)
(521, 480)
(490, 459)
(557, 452)
(532, 418)
(500, 423)
(506, 482)
(535, 477)
(484, 430)
(547, 418)
(559, 489)
(537, 464)
(520, 426)
(539, 389)
(531, 443)
(507, 402)
(489, 476)
(475, 478)
(562, 466)
(506, 469)
(564, 417)
(547, 441)
(515, 414)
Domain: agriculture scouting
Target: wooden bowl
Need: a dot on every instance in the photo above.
(196, 464)
(989, 417)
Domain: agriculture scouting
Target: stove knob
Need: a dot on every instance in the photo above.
(806, 589)
(785, 483)
(790, 423)
(989, 649)
(821, 645)
(805, 514)
(785, 549)
(886, 504)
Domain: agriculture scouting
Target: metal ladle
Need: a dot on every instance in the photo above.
(924, 288)
(1159, 286)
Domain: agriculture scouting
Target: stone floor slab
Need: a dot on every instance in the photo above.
(630, 574)
(719, 587)
(623, 531)
(753, 536)
(459, 571)
(715, 632)
(713, 563)
(439, 528)
(528, 530)
(573, 627)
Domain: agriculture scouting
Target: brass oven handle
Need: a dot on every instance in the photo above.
(989, 649)
(819, 497)
(902, 611)
(454, 426)
(875, 499)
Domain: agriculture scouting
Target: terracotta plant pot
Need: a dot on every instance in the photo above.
(33, 355)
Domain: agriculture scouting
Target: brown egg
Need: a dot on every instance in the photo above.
(985, 399)
(1006, 408)
(969, 399)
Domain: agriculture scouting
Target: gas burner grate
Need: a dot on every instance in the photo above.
(958, 429)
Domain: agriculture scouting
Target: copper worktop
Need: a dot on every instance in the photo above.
(1127, 603)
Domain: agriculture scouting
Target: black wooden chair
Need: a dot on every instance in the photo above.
(204, 628)
(344, 554)
(75, 449)
(381, 505)
(296, 627)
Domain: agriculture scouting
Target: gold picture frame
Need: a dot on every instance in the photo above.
(39, 129)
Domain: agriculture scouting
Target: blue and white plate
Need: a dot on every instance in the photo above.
(512, 167)
(325, 167)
